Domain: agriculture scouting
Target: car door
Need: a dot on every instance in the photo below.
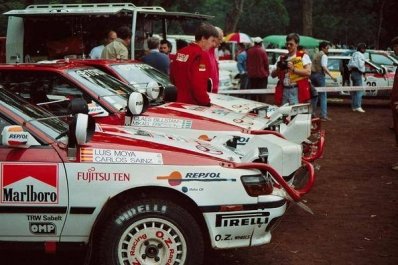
(33, 192)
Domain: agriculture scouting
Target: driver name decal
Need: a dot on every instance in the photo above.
(97, 155)
(29, 183)
(161, 122)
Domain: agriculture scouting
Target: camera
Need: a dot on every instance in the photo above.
(282, 63)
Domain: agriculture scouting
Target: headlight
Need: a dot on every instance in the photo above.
(256, 185)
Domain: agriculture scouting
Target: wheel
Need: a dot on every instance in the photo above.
(149, 232)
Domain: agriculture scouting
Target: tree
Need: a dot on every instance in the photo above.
(307, 17)
(233, 16)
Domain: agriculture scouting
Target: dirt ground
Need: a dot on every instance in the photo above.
(354, 200)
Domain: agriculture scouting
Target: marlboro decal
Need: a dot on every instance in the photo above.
(29, 183)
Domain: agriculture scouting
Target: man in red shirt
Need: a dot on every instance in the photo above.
(213, 61)
(257, 66)
(189, 71)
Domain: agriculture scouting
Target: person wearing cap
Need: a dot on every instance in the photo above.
(293, 71)
(394, 96)
(257, 67)
(357, 68)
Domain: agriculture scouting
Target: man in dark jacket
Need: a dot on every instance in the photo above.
(257, 66)
(155, 58)
(189, 71)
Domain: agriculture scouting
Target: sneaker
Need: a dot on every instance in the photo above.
(326, 119)
(359, 110)
(395, 167)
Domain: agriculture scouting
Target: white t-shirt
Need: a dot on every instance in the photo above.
(96, 52)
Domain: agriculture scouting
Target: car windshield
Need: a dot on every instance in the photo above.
(103, 85)
(38, 117)
(140, 74)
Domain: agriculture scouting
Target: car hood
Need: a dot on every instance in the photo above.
(151, 140)
(219, 114)
(167, 147)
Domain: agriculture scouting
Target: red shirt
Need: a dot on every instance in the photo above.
(257, 62)
(190, 73)
(213, 69)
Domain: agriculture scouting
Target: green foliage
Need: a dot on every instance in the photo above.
(340, 21)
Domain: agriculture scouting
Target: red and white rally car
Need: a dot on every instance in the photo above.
(293, 122)
(54, 84)
(132, 196)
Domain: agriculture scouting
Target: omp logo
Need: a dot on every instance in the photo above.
(175, 178)
(29, 183)
(43, 228)
(243, 219)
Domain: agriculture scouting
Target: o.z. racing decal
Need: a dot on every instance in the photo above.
(29, 183)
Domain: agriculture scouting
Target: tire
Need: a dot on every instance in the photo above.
(149, 232)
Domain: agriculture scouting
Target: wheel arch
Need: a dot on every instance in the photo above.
(152, 192)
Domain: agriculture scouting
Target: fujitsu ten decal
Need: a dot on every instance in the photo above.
(29, 183)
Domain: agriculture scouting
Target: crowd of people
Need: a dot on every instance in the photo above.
(194, 68)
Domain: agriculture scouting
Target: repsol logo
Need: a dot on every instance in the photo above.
(30, 195)
(226, 220)
(43, 228)
(19, 136)
(202, 175)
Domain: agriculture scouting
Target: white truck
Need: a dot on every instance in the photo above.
(44, 32)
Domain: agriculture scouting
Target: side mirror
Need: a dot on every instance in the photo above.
(170, 94)
(15, 136)
(78, 105)
(81, 129)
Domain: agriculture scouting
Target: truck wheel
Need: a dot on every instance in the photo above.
(150, 232)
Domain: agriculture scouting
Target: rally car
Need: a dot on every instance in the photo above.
(375, 76)
(53, 85)
(132, 196)
(293, 122)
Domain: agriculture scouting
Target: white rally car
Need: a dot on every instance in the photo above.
(134, 196)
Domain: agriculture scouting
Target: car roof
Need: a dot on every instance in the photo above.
(100, 61)
(50, 65)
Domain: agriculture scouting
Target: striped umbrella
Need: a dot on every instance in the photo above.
(238, 37)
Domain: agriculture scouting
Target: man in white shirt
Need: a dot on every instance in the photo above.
(97, 51)
(357, 68)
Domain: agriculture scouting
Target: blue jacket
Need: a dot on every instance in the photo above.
(158, 60)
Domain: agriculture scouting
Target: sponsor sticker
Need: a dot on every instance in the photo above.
(97, 155)
(241, 219)
(182, 57)
(91, 175)
(176, 178)
(202, 67)
(161, 122)
(29, 183)
(42, 228)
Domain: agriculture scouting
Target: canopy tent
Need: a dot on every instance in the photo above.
(278, 41)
